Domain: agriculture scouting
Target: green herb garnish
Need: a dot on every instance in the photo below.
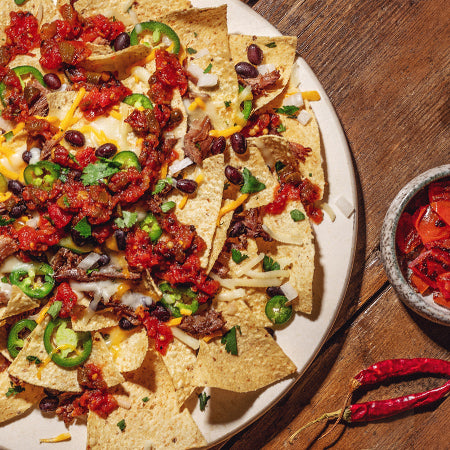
(191, 50)
(145, 399)
(281, 128)
(93, 173)
(269, 264)
(297, 215)
(237, 256)
(4, 220)
(271, 44)
(203, 398)
(34, 359)
(227, 103)
(208, 69)
(83, 227)
(127, 220)
(161, 184)
(122, 425)
(166, 207)
(14, 389)
(229, 339)
(251, 183)
(288, 110)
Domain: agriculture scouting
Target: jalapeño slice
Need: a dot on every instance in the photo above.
(138, 100)
(127, 159)
(15, 339)
(277, 311)
(67, 348)
(25, 279)
(42, 174)
(157, 28)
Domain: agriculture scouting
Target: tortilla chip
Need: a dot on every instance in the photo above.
(92, 7)
(59, 103)
(202, 208)
(18, 303)
(180, 361)
(235, 312)
(15, 405)
(260, 362)
(128, 348)
(118, 61)
(253, 160)
(156, 421)
(3, 343)
(152, 9)
(87, 322)
(28, 60)
(281, 55)
(54, 376)
(207, 29)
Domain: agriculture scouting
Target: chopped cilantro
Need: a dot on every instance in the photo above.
(227, 104)
(4, 220)
(66, 201)
(191, 50)
(203, 398)
(4, 280)
(127, 220)
(310, 174)
(83, 227)
(63, 175)
(297, 215)
(89, 271)
(195, 34)
(288, 110)
(269, 264)
(8, 136)
(279, 165)
(271, 44)
(34, 359)
(251, 184)
(229, 339)
(161, 184)
(237, 256)
(145, 399)
(281, 128)
(208, 69)
(93, 173)
(122, 425)
(166, 207)
(73, 158)
(14, 389)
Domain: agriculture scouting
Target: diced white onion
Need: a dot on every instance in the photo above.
(5, 288)
(304, 117)
(208, 80)
(202, 52)
(63, 88)
(177, 166)
(142, 73)
(185, 338)
(289, 291)
(264, 69)
(249, 265)
(283, 262)
(245, 94)
(148, 445)
(89, 261)
(227, 296)
(194, 70)
(294, 100)
(187, 103)
(282, 237)
(166, 41)
(135, 299)
(101, 289)
(231, 308)
(35, 155)
(33, 222)
(327, 208)
(344, 206)
(138, 28)
(127, 5)
(123, 402)
(271, 274)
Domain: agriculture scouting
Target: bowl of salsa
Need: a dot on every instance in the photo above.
(415, 244)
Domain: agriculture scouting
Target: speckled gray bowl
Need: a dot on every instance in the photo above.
(422, 305)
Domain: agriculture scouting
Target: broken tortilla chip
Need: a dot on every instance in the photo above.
(18, 303)
(86, 321)
(158, 8)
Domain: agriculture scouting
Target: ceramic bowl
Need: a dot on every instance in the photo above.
(423, 305)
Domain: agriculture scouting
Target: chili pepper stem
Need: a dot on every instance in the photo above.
(327, 416)
(353, 385)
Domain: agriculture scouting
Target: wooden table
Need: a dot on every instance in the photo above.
(385, 66)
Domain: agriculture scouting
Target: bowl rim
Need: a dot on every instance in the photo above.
(420, 304)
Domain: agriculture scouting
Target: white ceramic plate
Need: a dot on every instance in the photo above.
(228, 412)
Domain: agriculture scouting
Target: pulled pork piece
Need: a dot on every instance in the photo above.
(252, 220)
(197, 141)
(8, 246)
(204, 324)
(261, 83)
(299, 151)
(4, 363)
(4, 299)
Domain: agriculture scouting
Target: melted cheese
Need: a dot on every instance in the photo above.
(225, 133)
(65, 123)
(116, 337)
(312, 96)
(60, 438)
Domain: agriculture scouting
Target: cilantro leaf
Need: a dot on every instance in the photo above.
(83, 227)
(279, 165)
(191, 50)
(93, 173)
(161, 184)
(251, 184)
(145, 399)
(127, 220)
(8, 136)
(34, 359)
(167, 206)
(227, 103)
(64, 173)
(229, 339)
(237, 256)
(271, 44)
(203, 398)
(122, 425)
(5, 220)
(281, 128)
(288, 110)
(297, 215)
(14, 389)
(73, 158)
(208, 69)
(269, 264)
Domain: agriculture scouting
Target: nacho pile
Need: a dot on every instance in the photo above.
(157, 187)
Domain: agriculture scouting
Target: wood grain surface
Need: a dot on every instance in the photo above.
(385, 66)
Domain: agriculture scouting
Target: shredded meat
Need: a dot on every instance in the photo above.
(299, 151)
(64, 258)
(197, 141)
(253, 224)
(3, 299)
(8, 246)
(261, 83)
(40, 107)
(4, 363)
(203, 324)
(66, 408)
(48, 146)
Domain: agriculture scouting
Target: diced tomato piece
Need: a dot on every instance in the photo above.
(418, 283)
(442, 209)
(430, 264)
(429, 225)
(443, 283)
(407, 237)
(439, 190)
(440, 300)
(59, 217)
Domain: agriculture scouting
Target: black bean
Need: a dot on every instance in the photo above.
(77, 238)
(106, 150)
(274, 290)
(246, 70)
(16, 187)
(237, 229)
(254, 54)
(52, 81)
(218, 146)
(48, 404)
(26, 156)
(18, 210)
(238, 143)
(75, 138)
(51, 392)
(125, 324)
(160, 312)
(233, 175)
(121, 239)
(122, 41)
(187, 186)
(103, 260)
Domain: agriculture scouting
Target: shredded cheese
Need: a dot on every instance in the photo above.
(285, 238)
(60, 438)
(65, 123)
(185, 338)
(19, 127)
(163, 173)
(183, 201)
(225, 133)
(6, 151)
(174, 322)
(312, 96)
(243, 268)
(42, 314)
(271, 274)
(123, 287)
(5, 196)
(116, 115)
(231, 206)
(197, 102)
(99, 135)
(9, 173)
(116, 337)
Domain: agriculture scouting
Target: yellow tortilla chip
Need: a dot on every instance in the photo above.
(17, 303)
(153, 9)
(260, 362)
(235, 312)
(281, 54)
(88, 322)
(202, 208)
(155, 421)
(3, 343)
(207, 29)
(53, 376)
(15, 405)
(59, 103)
